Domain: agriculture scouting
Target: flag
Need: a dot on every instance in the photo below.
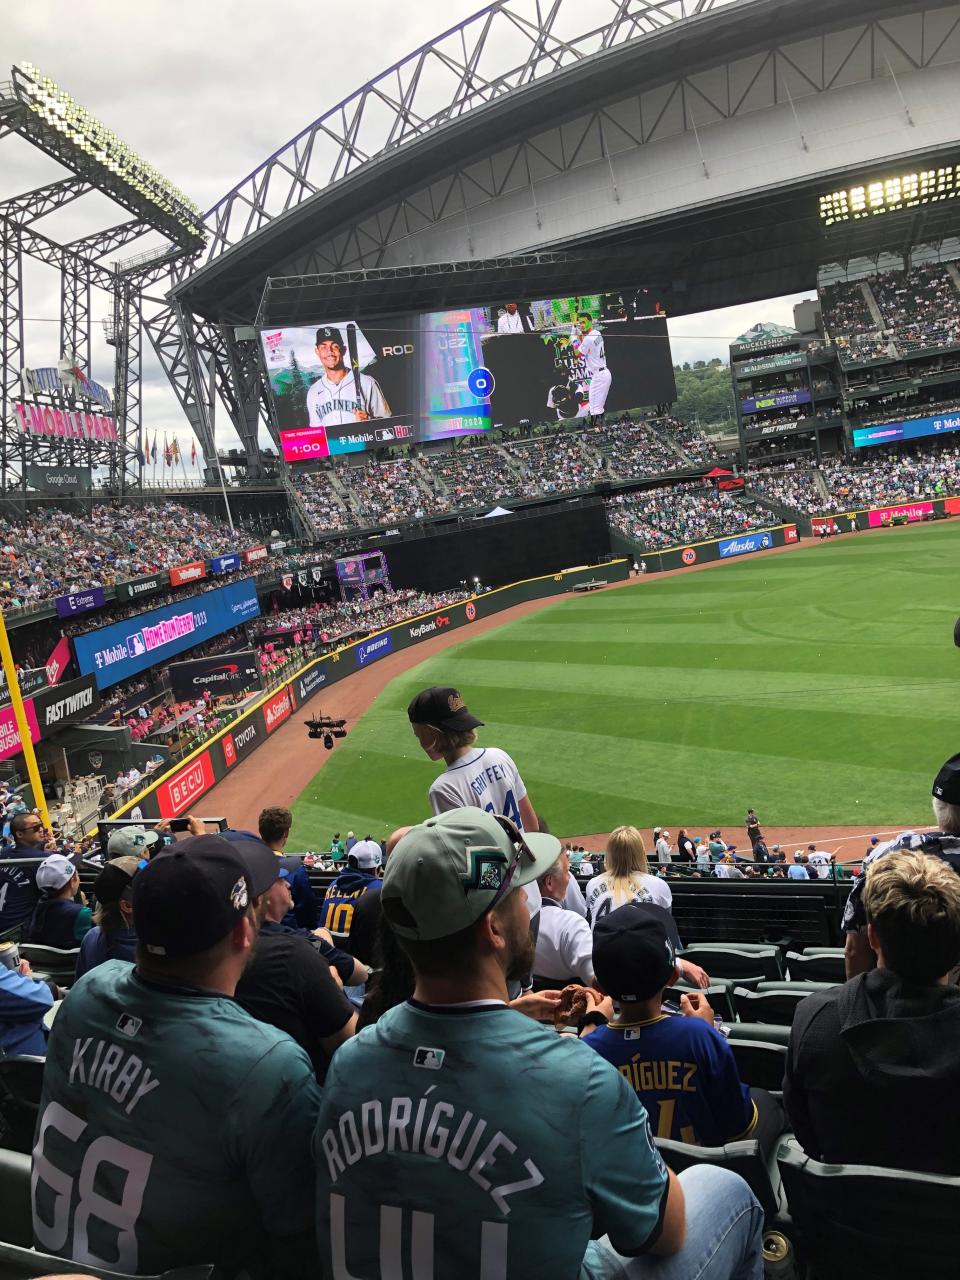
(154, 459)
(140, 456)
(175, 449)
(167, 455)
(193, 453)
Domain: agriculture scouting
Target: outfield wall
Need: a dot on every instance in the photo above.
(728, 548)
(878, 517)
(177, 791)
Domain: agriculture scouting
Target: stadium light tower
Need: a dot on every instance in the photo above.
(68, 132)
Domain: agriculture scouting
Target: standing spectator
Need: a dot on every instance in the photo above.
(664, 849)
(113, 936)
(796, 870)
(274, 825)
(822, 862)
(717, 846)
(336, 847)
(484, 777)
(585, 1192)
(209, 1115)
(18, 884)
(888, 1037)
(351, 841)
(753, 828)
(343, 893)
(685, 846)
(58, 920)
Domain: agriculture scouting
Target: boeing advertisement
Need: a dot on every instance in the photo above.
(115, 653)
(912, 429)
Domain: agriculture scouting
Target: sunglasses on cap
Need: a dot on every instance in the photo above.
(490, 872)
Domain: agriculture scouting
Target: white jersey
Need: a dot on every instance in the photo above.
(643, 888)
(510, 323)
(822, 863)
(485, 778)
(564, 946)
(331, 403)
(589, 347)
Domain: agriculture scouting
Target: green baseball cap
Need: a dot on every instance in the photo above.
(445, 873)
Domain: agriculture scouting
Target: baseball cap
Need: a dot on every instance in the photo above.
(946, 785)
(326, 334)
(445, 873)
(443, 709)
(132, 842)
(367, 854)
(55, 872)
(635, 951)
(115, 878)
(263, 866)
(874, 839)
(191, 896)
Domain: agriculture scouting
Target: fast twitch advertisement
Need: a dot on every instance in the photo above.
(344, 386)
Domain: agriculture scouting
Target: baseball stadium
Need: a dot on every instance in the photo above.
(459, 672)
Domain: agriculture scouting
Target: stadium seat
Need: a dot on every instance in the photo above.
(15, 1224)
(773, 1001)
(886, 1223)
(767, 1032)
(759, 1063)
(21, 1083)
(18, 1263)
(51, 962)
(744, 1158)
(733, 962)
(827, 967)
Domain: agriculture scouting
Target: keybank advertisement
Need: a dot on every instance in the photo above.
(745, 543)
(122, 650)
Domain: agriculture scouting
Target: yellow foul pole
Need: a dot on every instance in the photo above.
(26, 741)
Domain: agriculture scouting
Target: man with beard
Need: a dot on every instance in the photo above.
(456, 1138)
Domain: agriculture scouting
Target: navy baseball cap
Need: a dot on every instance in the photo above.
(190, 896)
(635, 951)
(442, 708)
(264, 867)
(326, 334)
(946, 785)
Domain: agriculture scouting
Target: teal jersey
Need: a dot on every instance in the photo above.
(469, 1142)
(174, 1128)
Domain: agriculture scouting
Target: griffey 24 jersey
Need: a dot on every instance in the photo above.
(465, 1141)
(333, 403)
(174, 1129)
(485, 778)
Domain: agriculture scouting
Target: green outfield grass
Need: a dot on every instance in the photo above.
(819, 686)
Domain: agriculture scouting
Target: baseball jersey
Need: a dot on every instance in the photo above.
(589, 347)
(332, 403)
(18, 886)
(564, 946)
(508, 323)
(946, 847)
(685, 1074)
(465, 1140)
(485, 778)
(642, 888)
(821, 861)
(174, 1128)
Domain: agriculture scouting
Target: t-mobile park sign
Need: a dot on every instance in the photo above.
(73, 415)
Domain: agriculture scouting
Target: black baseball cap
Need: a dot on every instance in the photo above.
(263, 865)
(115, 878)
(946, 785)
(326, 334)
(190, 896)
(635, 951)
(443, 709)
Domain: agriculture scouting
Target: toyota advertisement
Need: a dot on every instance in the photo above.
(223, 673)
(122, 650)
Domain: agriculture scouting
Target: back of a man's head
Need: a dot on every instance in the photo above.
(274, 824)
(912, 901)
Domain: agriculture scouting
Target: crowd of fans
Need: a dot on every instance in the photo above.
(327, 623)
(921, 306)
(557, 463)
(794, 484)
(845, 310)
(901, 477)
(480, 477)
(322, 504)
(390, 490)
(633, 449)
(666, 517)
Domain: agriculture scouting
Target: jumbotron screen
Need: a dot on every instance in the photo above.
(344, 385)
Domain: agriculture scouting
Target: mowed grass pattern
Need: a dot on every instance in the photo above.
(819, 686)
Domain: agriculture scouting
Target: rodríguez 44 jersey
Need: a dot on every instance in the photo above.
(589, 347)
(486, 778)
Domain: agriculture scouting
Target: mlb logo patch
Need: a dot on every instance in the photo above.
(136, 644)
(431, 1059)
(128, 1025)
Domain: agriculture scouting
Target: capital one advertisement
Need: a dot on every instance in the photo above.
(125, 648)
(345, 385)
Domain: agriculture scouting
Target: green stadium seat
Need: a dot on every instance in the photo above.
(822, 951)
(777, 1005)
(882, 1223)
(807, 986)
(819, 968)
(21, 1083)
(733, 962)
(51, 962)
(17, 1263)
(760, 1063)
(744, 1158)
(766, 1032)
(15, 1223)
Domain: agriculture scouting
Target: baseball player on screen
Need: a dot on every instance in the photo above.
(587, 342)
(340, 394)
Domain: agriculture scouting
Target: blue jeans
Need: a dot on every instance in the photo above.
(724, 1236)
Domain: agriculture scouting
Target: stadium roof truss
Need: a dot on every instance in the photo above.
(682, 142)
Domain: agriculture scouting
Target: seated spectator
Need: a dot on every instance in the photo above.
(625, 877)
(727, 869)
(564, 951)
(582, 1196)
(279, 904)
(58, 920)
(18, 884)
(943, 843)
(679, 1065)
(886, 1037)
(159, 1083)
(136, 842)
(344, 893)
(796, 870)
(24, 1000)
(288, 982)
(113, 936)
(274, 825)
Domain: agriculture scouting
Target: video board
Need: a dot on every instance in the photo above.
(342, 385)
(909, 429)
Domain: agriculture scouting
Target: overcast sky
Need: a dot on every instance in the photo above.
(205, 90)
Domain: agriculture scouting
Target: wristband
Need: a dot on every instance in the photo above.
(595, 1017)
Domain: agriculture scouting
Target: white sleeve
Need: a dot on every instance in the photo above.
(661, 893)
(519, 790)
(377, 406)
(313, 417)
(441, 801)
(574, 899)
(578, 948)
